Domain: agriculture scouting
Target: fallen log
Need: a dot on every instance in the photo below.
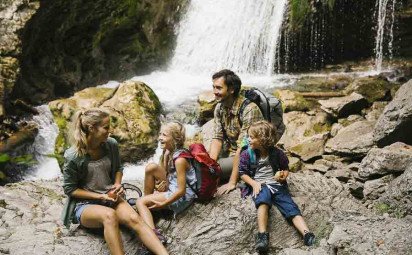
(321, 94)
(23, 136)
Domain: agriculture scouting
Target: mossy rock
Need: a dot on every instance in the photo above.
(320, 84)
(373, 88)
(292, 101)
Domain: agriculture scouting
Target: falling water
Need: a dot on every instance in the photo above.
(383, 25)
(43, 145)
(238, 34)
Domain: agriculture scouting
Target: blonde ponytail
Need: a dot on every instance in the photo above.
(84, 120)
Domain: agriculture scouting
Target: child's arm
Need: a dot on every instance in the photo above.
(254, 184)
(181, 165)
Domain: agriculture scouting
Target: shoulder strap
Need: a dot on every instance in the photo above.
(274, 159)
(242, 109)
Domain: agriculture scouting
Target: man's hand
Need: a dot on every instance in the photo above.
(257, 186)
(225, 188)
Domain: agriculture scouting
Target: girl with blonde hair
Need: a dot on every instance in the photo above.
(171, 178)
(92, 175)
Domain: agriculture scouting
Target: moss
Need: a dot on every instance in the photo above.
(382, 208)
(3, 203)
(323, 230)
(301, 10)
(318, 128)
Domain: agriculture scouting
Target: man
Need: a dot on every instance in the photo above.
(227, 129)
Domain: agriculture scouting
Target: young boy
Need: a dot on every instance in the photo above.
(264, 167)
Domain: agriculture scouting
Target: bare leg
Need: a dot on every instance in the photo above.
(300, 224)
(153, 172)
(129, 217)
(262, 217)
(143, 205)
(97, 216)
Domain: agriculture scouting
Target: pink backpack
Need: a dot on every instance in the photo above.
(207, 170)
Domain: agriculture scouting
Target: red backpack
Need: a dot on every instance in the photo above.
(207, 171)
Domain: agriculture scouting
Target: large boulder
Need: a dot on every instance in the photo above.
(341, 107)
(207, 103)
(305, 134)
(292, 101)
(353, 140)
(391, 159)
(374, 188)
(30, 212)
(396, 120)
(372, 88)
(134, 110)
(398, 195)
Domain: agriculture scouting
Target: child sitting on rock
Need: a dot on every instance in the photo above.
(264, 167)
(170, 179)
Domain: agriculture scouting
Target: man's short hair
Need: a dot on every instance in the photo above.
(230, 78)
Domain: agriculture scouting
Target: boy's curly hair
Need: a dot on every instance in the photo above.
(265, 133)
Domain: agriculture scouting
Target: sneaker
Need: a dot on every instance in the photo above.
(309, 239)
(161, 237)
(262, 242)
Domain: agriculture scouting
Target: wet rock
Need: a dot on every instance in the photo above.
(207, 103)
(395, 122)
(292, 101)
(341, 107)
(355, 140)
(374, 188)
(391, 159)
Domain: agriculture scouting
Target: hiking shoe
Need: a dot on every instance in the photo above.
(159, 235)
(309, 239)
(262, 242)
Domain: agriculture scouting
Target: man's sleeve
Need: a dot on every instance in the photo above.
(217, 127)
(251, 114)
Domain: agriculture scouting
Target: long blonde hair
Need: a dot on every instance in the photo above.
(83, 121)
(178, 133)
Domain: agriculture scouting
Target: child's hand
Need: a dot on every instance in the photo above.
(257, 186)
(161, 186)
(281, 176)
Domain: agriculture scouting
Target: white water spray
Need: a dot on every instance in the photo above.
(43, 146)
(241, 35)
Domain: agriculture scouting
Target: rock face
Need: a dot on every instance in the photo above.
(341, 107)
(396, 121)
(134, 111)
(398, 195)
(355, 140)
(13, 16)
(207, 103)
(305, 134)
(30, 211)
(67, 46)
(391, 159)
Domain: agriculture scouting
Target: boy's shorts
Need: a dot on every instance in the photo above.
(281, 198)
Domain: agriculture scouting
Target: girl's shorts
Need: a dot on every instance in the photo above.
(78, 210)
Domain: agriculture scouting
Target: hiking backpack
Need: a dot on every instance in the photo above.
(207, 171)
(269, 105)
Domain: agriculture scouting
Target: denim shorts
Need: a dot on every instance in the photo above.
(179, 205)
(78, 210)
(280, 198)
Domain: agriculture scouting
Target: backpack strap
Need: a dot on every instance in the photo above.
(185, 153)
(242, 109)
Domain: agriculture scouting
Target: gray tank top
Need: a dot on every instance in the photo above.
(98, 175)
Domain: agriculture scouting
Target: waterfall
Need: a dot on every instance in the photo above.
(241, 35)
(43, 145)
(384, 26)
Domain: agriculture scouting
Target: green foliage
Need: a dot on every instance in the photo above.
(301, 10)
(4, 158)
(382, 208)
(20, 160)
